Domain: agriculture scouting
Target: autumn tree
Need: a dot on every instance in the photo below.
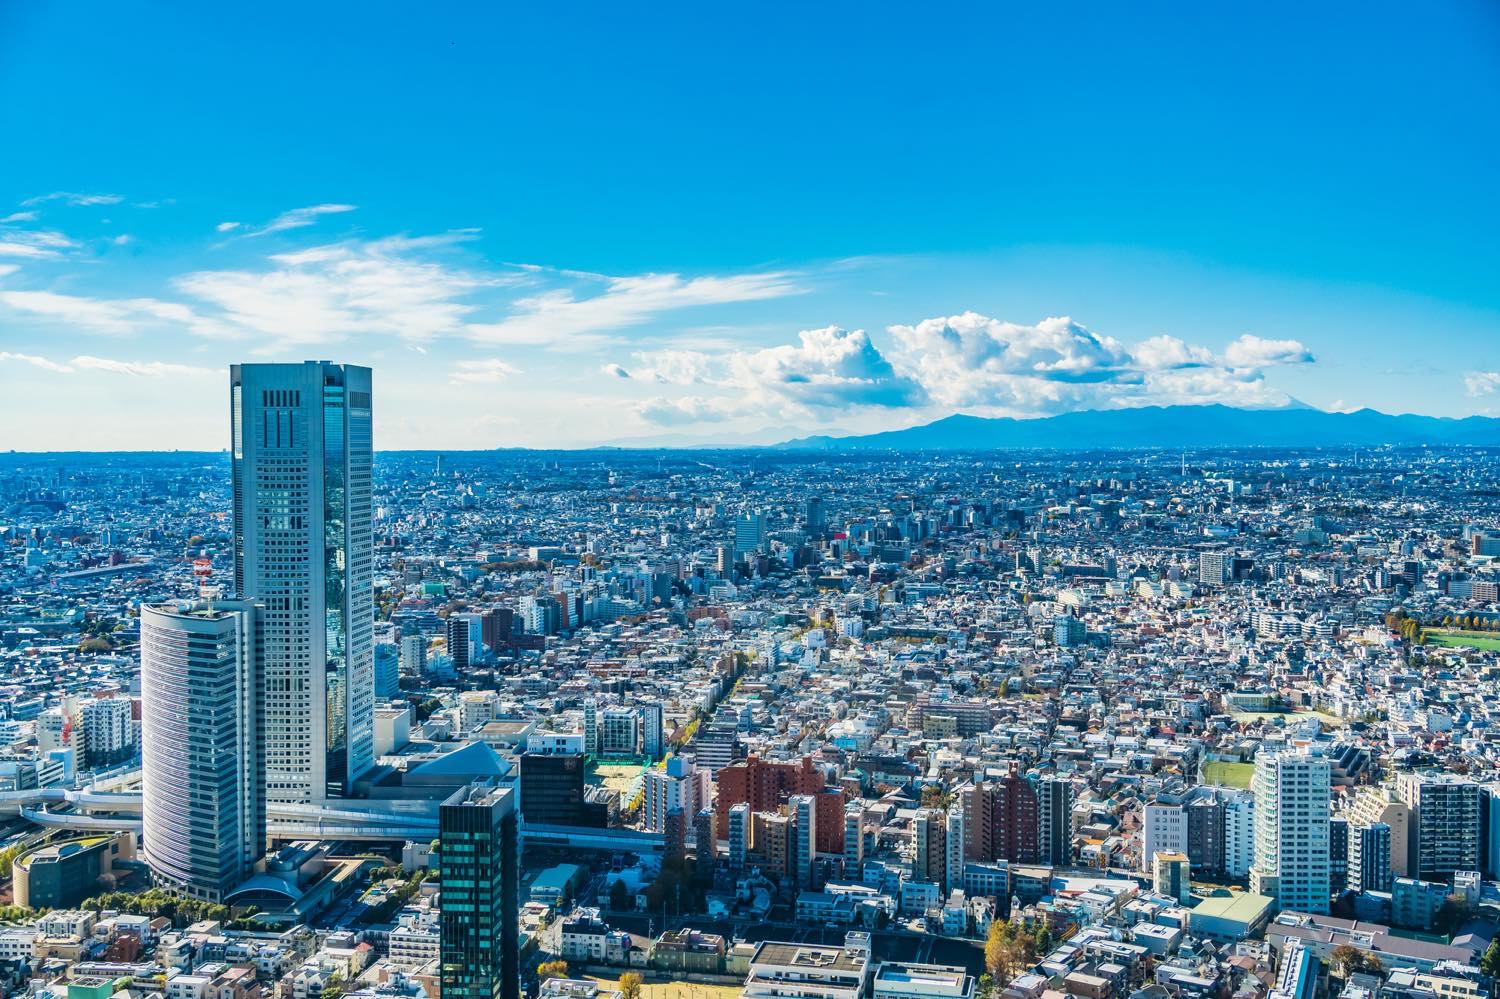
(630, 985)
(551, 969)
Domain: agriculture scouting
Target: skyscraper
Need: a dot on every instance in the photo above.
(202, 814)
(1055, 820)
(301, 453)
(1291, 830)
(479, 863)
(749, 533)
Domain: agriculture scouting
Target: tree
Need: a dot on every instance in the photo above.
(551, 969)
(619, 896)
(1489, 964)
(1005, 952)
(630, 985)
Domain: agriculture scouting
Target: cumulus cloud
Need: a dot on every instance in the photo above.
(1481, 383)
(614, 371)
(685, 410)
(558, 316)
(973, 361)
(829, 367)
(1250, 351)
(490, 369)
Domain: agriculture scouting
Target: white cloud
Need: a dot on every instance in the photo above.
(1250, 351)
(35, 245)
(1481, 383)
(327, 293)
(226, 226)
(123, 239)
(75, 199)
(557, 316)
(829, 367)
(35, 361)
(686, 410)
(87, 362)
(298, 218)
(973, 362)
(614, 371)
(141, 369)
(8, 269)
(103, 315)
(488, 370)
(674, 366)
(1163, 352)
(20, 217)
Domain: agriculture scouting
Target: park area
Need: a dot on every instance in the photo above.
(1451, 638)
(1222, 773)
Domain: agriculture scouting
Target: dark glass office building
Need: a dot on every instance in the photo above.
(480, 867)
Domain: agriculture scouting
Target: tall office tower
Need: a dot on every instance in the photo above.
(1239, 832)
(929, 840)
(749, 533)
(739, 836)
(480, 874)
(1370, 857)
(203, 818)
(804, 812)
(458, 644)
(1338, 855)
(815, 516)
(652, 740)
(1055, 820)
(301, 452)
(854, 842)
(1381, 804)
(591, 727)
(953, 860)
(1445, 831)
(1291, 830)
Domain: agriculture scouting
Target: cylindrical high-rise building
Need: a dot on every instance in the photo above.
(204, 823)
(301, 454)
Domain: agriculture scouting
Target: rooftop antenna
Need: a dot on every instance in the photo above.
(1184, 464)
(203, 570)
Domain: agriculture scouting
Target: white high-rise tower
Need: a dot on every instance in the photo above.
(1291, 830)
(304, 549)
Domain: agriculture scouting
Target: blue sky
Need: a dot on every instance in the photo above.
(555, 228)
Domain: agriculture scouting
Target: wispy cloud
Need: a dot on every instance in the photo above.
(327, 293)
(20, 217)
(87, 362)
(558, 316)
(490, 369)
(39, 244)
(296, 218)
(75, 199)
(108, 316)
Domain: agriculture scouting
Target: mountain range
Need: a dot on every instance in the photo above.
(1171, 427)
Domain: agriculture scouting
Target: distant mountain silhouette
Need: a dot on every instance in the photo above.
(1171, 427)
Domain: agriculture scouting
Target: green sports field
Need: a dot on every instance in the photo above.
(1463, 639)
(1224, 774)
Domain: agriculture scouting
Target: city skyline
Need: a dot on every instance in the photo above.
(1003, 238)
